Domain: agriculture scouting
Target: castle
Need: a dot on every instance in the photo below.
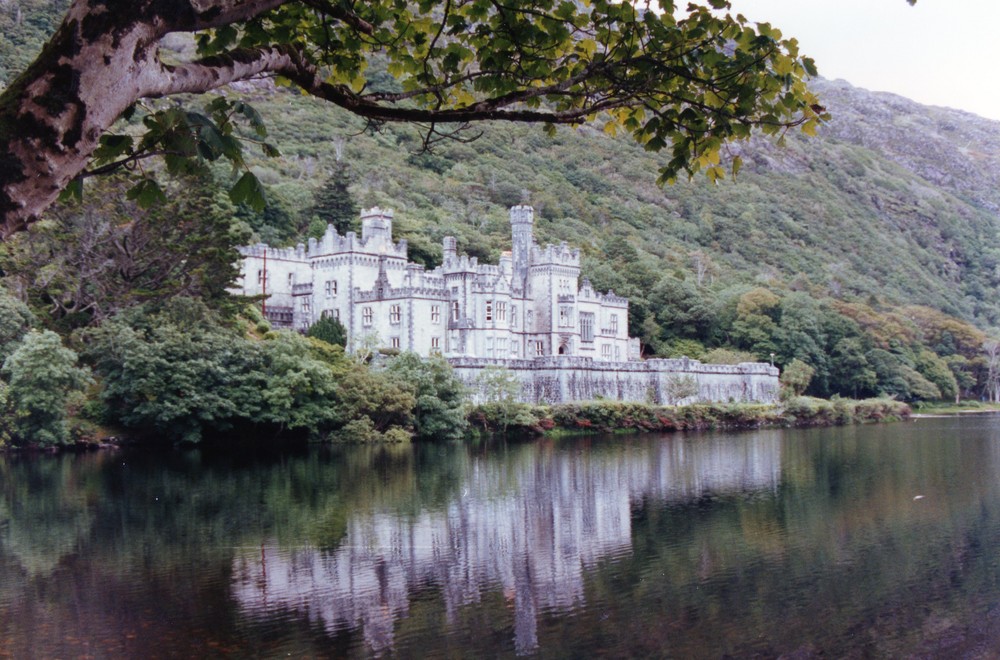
(530, 305)
(531, 313)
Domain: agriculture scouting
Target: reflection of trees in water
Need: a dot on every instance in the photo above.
(709, 547)
(155, 530)
(529, 526)
(45, 512)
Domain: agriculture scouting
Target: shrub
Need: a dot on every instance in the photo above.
(44, 380)
(329, 330)
(439, 412)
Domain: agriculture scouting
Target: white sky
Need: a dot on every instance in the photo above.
(938, 52)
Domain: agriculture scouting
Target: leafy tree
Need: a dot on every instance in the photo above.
(439, 413)
(177, 373)
(936, 370)
(386, 402)
(796, 376)
(15, 321)
(330, 330)
(727, 356)
(44, 380)
(962, 369)
(90, 260)
(851, 373)
(298, 390)
(683, 81)
(500, 390)
(680, 309)
(991, 382)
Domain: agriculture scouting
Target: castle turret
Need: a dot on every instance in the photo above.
(449, 248)
(522, 220)
(376, 222)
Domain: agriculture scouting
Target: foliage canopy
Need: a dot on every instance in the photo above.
(687, 80)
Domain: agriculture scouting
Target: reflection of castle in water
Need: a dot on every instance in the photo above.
(528, 527)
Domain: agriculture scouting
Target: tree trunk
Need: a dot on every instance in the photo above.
(99, 62)
(52, 116)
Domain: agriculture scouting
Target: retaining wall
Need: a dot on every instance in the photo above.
(560, 379)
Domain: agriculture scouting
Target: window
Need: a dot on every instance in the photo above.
(539, 348)
(529, 320)
(454, 311)
(489, 347)
(260, 277)
(435, 343)
(489, 310)
(435, 313)
(367, 316)
(501, 311)
(336, 314)
(614, 324)
(305, 305)
(291, 280)
(501, 346)
(513, 315)
(515, 348)
(331, 288)
(394, 342)
(394, 314)
(565, 317)
(606, 351)
(325, 314)
(618, 353)
(586, 326)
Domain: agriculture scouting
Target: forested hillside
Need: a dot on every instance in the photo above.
(869, 253)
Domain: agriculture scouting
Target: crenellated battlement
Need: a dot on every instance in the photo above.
(521, 215)
(460, 264)
(281, 254)
(561, 255)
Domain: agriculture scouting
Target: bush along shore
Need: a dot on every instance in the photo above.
(620, 417)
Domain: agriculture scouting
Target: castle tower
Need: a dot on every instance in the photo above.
(522, 220)
(449, 248)
(376, 223)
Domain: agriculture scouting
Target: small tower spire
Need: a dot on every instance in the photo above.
(522, 221)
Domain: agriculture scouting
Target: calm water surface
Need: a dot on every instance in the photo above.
(852, 542)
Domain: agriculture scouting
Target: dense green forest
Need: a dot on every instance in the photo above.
(867, 256)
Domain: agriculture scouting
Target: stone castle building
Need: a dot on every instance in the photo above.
(531, 313)
(532, 304)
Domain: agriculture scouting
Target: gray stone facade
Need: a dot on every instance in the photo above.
(560, 379)
(531, 313)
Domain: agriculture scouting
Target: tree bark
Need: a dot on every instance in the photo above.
(99, 62)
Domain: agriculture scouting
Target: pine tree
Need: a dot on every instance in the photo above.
(333, 203)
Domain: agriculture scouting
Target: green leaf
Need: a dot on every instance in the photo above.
(72, 192)
(146, 193)
(248, 190)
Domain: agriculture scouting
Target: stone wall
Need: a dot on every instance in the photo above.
(560, 379)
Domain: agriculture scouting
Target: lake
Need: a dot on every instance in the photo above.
(867, 541)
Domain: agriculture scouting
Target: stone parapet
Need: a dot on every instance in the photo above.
(562, 379)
